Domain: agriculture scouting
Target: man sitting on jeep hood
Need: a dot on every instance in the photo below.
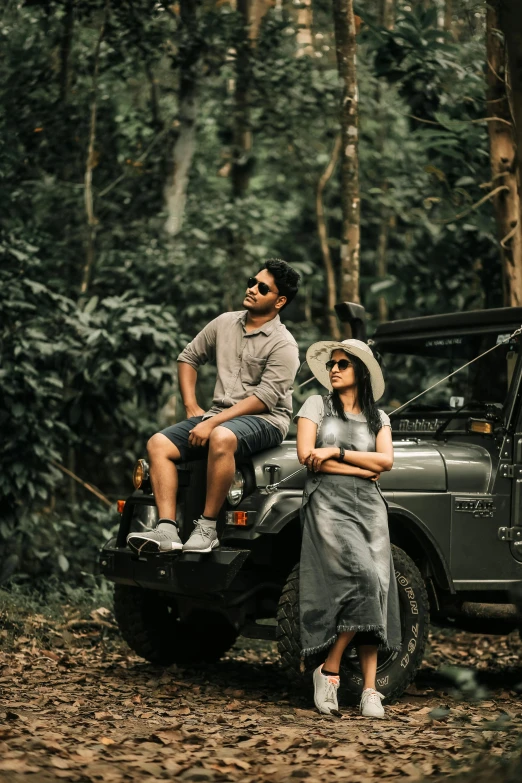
(257, 360)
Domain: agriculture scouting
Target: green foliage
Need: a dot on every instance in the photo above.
(84, 377)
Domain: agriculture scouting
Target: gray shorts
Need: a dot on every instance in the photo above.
(252, 432)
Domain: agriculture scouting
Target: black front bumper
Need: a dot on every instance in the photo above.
(186, 573)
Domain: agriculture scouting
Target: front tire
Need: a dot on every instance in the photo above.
(150, 625)
(396, 670)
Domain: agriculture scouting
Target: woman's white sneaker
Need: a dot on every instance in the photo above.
(325, 692)
(371, 706)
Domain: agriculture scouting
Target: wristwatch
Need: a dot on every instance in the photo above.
(341, 454)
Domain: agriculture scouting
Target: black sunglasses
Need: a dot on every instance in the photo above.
(343, 364)
(261, 287)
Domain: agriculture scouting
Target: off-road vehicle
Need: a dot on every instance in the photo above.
(455, 513)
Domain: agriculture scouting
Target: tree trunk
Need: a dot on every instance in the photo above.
(65, 50)
(305, 44)
(251, 14)
(510, 22)
(381, 266)
(448, 16)
(242, 145)
(175, 191)
(258, 9)
(387, 20)
(345, 45)
(331, 288)
(91, 163)
(387, 14)
(502, 147)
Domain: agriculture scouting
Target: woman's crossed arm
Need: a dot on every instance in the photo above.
(324, 460)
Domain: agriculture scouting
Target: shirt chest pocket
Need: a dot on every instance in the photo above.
(251, 370)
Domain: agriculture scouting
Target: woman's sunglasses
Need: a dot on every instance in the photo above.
(343, 364)
(261, 287)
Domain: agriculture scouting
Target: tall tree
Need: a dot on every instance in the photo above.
(503, 156)
(251, 13)
(510, 22)
(65, 50)
(386, 20)
(448, 16)
(91, 162)
(184, 147)
(387, 13)
(345, 45)
(331, 287)
(242, 143)
(304, 28)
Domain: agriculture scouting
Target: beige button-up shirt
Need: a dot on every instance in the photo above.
(263, 363)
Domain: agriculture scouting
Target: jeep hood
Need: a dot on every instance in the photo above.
(419, 466)
(437, 467)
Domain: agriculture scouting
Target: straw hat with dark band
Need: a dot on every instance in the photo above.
(319, 353)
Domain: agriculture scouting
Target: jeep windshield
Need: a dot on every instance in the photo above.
(412, 364)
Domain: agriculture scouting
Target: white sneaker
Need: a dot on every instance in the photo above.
(202, 538)
(371, 706)
(325, 692)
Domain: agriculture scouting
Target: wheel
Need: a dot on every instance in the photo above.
(150, 625)
(395, 670)
(287, 631)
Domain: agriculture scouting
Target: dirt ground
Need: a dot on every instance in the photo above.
(77, 705)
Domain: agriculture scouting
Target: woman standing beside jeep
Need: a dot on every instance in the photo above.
(347, 590)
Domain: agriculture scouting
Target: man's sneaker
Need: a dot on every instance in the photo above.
(164, 538)
(371, 706)
(202, 538)
(325, 692)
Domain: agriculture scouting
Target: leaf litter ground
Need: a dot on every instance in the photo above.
(77, 705)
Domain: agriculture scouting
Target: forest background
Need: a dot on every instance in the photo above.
(151, 156)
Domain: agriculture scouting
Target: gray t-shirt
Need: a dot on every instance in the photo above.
(262, 363)
(313, 409)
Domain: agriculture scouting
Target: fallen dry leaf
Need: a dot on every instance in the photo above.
(101, 713)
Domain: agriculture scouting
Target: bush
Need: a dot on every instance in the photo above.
(83, 377)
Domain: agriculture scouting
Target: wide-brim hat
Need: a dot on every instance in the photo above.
(319, 353)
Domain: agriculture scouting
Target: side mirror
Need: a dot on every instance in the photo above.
(355, 315)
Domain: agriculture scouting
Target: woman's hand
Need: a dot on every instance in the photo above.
(317, 457)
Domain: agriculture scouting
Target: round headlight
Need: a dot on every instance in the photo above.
(140, 473)
(235, 493)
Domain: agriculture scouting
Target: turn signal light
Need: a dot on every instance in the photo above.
(239, 518)
(478, 425)
(121, 505)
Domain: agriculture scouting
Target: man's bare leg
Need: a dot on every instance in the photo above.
(163, 474)
(220, 470)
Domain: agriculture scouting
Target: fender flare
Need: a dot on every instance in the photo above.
(413, 525)
(279, 512)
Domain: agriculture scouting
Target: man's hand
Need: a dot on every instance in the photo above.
(201, 433)
(193, 410)
(317, 456)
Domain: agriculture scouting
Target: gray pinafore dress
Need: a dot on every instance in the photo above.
(346, 570)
